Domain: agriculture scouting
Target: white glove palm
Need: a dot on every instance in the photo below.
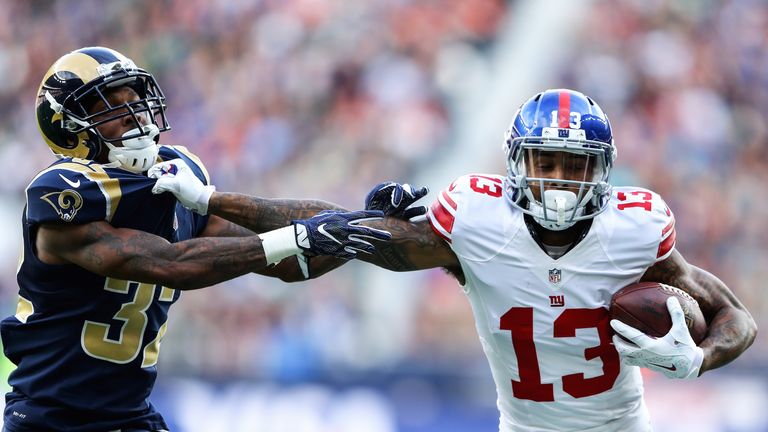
(176, 177)
(675, 354)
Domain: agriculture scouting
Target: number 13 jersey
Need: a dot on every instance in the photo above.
(543, 322)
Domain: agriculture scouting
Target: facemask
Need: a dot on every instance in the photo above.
(559, 210)
(137, 154)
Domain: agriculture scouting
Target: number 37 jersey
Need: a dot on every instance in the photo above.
(86, 346)
(543, 322)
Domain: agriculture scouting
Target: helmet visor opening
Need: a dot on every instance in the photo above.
(568, 166)
(93, 107)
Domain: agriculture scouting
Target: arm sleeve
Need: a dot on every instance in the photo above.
(61, 195)
(667, 237)
(442, 212)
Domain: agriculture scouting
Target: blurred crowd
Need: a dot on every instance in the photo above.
(324, 98)
(300, 98)
(685, 86)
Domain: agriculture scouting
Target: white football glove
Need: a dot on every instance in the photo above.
(675, 354)
(176, 177)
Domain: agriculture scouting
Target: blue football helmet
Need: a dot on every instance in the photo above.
(70, 90)
(560, 153)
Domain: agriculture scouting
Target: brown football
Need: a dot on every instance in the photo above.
(643, 305)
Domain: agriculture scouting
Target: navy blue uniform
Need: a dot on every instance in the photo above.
(86, 346)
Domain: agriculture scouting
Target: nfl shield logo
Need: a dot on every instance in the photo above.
(554, 275)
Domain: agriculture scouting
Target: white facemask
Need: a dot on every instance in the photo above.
(560, 206)
(137, 154)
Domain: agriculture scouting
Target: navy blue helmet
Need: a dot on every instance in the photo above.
(71, 89)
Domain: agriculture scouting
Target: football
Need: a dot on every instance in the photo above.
(643, 305)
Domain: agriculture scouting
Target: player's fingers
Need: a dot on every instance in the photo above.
(412, 212)
(679, 331)
(623, 347)
(303, 261)
(156, 170)
(676, 312)
(419, 193)
(163, 184)
(369, 232)
(397, 194)
(629, 332)
(360, 245)
(355, 217)
(347, 253)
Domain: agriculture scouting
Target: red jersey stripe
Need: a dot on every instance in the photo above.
(669, 226)
(564, 110)
(437, 231)
(666, 246)
(442, 216)
(449, 200)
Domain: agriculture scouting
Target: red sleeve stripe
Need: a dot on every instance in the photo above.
(441, 220)
(668, 228)
(442, 216)
(438, 230)
(447, 202)
(666, 246)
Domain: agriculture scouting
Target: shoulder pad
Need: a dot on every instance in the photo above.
(194, 162)
(648, 211)
(442, 212)
(72, 191)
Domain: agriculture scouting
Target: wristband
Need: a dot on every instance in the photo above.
(698, 360)
(279, 244)
(204, 198)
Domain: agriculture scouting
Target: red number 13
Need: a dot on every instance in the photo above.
(486, 185)
(644, 202)
(520, 322)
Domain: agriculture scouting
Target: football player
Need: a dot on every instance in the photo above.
(104, 258)
(539, 253)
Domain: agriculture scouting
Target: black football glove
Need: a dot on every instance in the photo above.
(338, 233)
(395, 200)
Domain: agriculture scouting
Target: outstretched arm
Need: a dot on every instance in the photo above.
(263, 214)
(256, 214)
(239, 215)
(143, 257)
(731, 328)
(288, 270)
(414, 246)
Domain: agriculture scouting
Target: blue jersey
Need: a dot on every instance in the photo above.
(86, 346)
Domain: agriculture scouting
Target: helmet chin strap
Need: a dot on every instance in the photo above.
(559, 204)
(137, 154)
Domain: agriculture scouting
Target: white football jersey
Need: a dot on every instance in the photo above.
(543, 322)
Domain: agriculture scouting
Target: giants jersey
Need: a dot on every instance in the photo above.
(543, 322)
(86, 346)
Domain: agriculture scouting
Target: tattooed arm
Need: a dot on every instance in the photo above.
(287, 270)
(731, 328)
(262, 214)
(238, 215)
(414, 246)
(143, 257)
